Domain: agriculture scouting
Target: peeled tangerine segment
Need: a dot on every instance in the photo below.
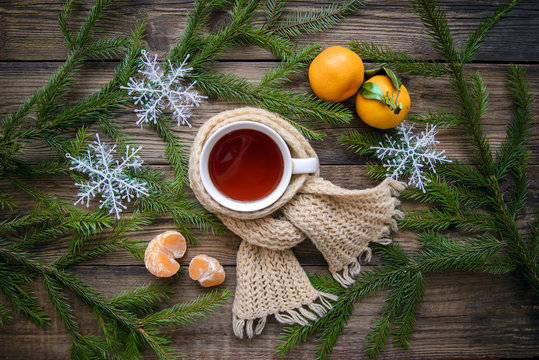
(161, 252)
(206, 270)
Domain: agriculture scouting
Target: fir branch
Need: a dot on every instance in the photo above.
(479, 92)
(88, 248)
(76, 255)
(90, 234)
(279, 46)
(437, 219)
(5, 315)
(273, 11)
(51, 118)
(291, 65)
(413, 295)
(313, 21)
(88, 109)
(56, 89)
(450, 196)
(88, 25)
(61, 305)
(376, 171)
(164, 200)
(6, 202)
(442, 253)
(17, 222)
(63, 19)
(306, 130)
(16, 117)
(464, 197)
(110, 128)
(379, 333)
(513, 152)
(397, 60)
(465, 174)
(332, 329)
(434, 19)
(442, 119)
(190, 40)
(361, 143)
(79, 142)
(476, 38)
(325, 283)
(142, 299)
(17, 292)
(120, 321)
(107, 48)
(231, 88)
(405, 278)
(228, 35)
(129, 64)
(187, 313)
(177, 157)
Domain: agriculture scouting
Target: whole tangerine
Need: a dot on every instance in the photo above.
(336, 73)
(388, 114)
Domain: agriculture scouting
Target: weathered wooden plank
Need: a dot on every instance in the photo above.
(487, 317)
(29, 30)
(463, 315)
(224, 246)
(22, 79)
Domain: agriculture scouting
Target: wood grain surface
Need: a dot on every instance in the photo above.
(464, 315)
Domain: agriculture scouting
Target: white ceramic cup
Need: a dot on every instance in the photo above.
(291, 166)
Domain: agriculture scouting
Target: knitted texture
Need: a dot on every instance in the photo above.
(340, 222)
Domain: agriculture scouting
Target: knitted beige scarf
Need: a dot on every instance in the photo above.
(340, 222)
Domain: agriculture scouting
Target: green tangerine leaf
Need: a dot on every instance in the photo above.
(382, 70)
(394, 78)
(372, 91)
(373, 72)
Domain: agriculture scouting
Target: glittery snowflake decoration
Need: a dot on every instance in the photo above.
(157, 90)
(108, 177)
(410, 154)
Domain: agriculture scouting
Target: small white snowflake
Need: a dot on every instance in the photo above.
(157, 90)
(108, 177)
(411, 153)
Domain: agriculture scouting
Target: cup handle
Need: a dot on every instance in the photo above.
(304, 166)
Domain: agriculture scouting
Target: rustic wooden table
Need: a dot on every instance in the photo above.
(464, 315)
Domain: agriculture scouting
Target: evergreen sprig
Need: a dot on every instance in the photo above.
(204, 50)
(119, 324)
(48, 117)
(308, 22)
(397, 60)
(463, 199)
(403, 277)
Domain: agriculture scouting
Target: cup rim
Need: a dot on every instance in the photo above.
(237, 205)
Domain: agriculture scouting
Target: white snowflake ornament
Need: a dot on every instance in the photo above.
(157, 90)
(411, 154)
(108, 177)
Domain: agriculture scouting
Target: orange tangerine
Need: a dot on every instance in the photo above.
(336, 73)
(381, 115)
(162, 251)
(206, 270)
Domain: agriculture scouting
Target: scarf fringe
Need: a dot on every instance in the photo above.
(242, 325)
(353, 269)
(302, 316)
